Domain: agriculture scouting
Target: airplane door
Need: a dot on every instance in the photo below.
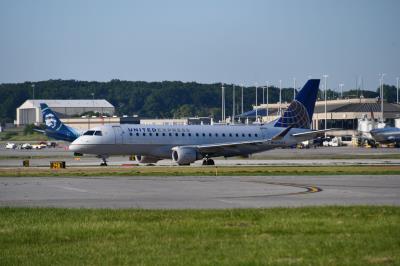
(118, 133)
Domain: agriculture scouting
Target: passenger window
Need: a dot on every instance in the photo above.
(157, 134)
(151, 134)
(163, 134)
(237, 135)
(130, 134)
(223, 134)
(243, 135)
(170, 134)
(216, 134)
(230, 134)
(183, 134)
(197, 134)
(137, 134)
(89, 133)
(256, 135)
(176, 134)
(144, 134)
(209, 135)
(204, 134)
(249, 135)
(190, 134)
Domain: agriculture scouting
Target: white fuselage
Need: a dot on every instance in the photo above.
(157, 141)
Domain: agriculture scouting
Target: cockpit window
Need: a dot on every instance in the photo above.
(89, 133)
(98, 133)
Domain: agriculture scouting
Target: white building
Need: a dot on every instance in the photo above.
(29, 112)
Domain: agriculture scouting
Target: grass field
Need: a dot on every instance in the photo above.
(203, 171)
(296, 236)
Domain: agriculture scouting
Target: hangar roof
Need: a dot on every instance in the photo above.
(102, 103)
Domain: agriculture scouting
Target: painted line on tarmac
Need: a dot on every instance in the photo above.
(70, 188)
(309, 189)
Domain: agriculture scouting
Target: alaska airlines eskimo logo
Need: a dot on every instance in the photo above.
(50, 121)
(296, 115)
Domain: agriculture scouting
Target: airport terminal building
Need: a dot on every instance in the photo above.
(341, 113)
(29, 112)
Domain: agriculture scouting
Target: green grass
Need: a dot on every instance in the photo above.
(14, 136)
(203, 171)
(281, 236)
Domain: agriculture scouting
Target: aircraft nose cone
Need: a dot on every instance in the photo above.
(76, 146)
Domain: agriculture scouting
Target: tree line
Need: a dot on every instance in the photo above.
(166, 99)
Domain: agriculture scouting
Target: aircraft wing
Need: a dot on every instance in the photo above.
(39, 130)
(313, 133)
(219, 149)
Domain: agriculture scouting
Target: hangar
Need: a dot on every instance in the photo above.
(29, 111)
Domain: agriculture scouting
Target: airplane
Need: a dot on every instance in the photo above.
(386, 135)
(188, 143)
(55, 128)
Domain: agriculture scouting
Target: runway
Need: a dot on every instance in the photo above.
(199, 192)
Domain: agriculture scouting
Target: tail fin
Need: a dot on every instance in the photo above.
(300, 111)
(54, 127)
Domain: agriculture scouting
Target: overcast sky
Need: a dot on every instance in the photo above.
(205, 41)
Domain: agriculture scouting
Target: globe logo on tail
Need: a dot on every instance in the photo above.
(296, 116)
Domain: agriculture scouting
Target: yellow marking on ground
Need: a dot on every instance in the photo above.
(313, 189)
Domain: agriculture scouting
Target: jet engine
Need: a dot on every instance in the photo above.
(146, 159)
(185, 156)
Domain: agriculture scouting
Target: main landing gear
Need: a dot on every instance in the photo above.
(208, 161)
(104, 160)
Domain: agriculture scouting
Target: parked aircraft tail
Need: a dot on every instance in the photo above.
(300, 111)
(55, 128)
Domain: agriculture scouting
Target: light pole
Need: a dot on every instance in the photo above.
(222, 102)
(33, 91)
(325, 89)
(280, 97)
(263, 99)
(397, 87)
(267, 100)
(233, 104)
(294, 88)
(341, 90)
(256, 104)
(381, 85)
(242, 98)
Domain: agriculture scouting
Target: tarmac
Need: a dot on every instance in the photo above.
(199, 192)
(318, 156)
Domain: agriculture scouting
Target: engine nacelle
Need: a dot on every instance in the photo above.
(185, 156)
(146, 159)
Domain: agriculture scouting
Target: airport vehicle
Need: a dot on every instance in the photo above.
(55, 128)
(11, 146)
(386, 135)
(186, 144)
(26, 146)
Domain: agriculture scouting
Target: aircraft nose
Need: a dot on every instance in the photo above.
(76, 146)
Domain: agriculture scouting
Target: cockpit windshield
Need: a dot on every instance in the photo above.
(98, 133)
(89, 133)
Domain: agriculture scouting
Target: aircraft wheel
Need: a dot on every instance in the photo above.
(210, 162)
